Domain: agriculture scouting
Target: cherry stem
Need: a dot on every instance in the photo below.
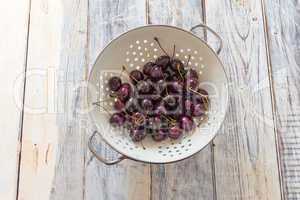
(105, 109)
(174, 47)
(187, 64)
(178, 65)
(206, 100)
(156, 39)
(171, 120)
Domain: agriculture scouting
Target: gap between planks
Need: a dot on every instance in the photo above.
(272, 93)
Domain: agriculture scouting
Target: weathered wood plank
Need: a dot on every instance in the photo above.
(13, 48)
(191, 178)
(52, 159)
(127, 180)
(283, 19)
(245, 151)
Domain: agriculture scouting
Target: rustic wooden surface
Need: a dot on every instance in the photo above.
(44, 146)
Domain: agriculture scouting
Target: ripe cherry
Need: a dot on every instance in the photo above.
(137, 134)
(124, 92)
(114, 83)
(156, 73)
(117, 119)
(187, 123)
(163, 61)
(175, 132)
(147, 68)
(136, 76)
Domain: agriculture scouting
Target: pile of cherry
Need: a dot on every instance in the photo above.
(163, 100)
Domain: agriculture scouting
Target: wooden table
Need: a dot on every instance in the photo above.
(43, 152)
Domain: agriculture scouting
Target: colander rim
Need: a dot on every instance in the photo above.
(193, 35)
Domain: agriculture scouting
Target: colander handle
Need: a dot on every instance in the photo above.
(213, 32)
(100, 158)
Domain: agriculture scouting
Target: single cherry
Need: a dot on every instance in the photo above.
(147, 68)
(170, 102)
(187, 123)
(136, 76)
(119, 104)
(160, 135)
(163, 61)
(175, 132)
(161, 110)
(192, 83)
(198, 110)
(147, 105)
(191, 73)
(137, 134)
(143, 87)
(117, 119)
(124, 92)
(131, 106)
(114, 83)
(156, 73)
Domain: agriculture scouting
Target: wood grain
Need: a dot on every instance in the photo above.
(13, 49)
(283, 34)
(127, 180)
(191, 178)
(52, 161)
(245, 150)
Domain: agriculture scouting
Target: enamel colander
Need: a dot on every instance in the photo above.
(133, 49)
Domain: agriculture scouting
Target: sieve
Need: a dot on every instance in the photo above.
(135, 48)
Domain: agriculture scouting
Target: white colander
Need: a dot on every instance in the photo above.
(133, 49)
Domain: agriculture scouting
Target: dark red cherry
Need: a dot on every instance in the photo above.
(124, 92)
(131, 106)
(114, 83)
(175, 132)
(119, 104)
(136, 76)
(147, 68)
(117, 119)
(147, 105)
(161, 110)
(154, 123)
(170, 102)
(199, 110)
(175, 87)
(191, 73)
(186, 123)
(192, 83)
(188, 106)
(163, 61)
(144, 87)
(161, 85)
(156, 73)
(177, 65)
(160, 135)
(137, 134)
